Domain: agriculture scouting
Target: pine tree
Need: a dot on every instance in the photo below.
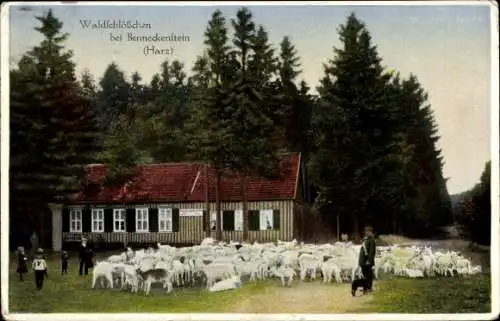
(208, 123)
(53, 124)
(251, 121)
(114, 98)
(427, 203)
(353, 127)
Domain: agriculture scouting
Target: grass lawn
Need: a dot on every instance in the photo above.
(72, 293)
(467, 294)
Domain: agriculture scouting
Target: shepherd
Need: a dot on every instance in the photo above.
(367, 259)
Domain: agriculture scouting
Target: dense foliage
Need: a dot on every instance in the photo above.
(472, 209)
(367, 139)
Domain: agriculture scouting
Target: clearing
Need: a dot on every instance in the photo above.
(72, 293)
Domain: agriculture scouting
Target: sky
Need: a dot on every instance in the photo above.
(446, 47)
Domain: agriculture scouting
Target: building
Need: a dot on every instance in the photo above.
(165, 203)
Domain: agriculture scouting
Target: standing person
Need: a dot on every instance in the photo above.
(367, 259)
(85, 256)
(64, 262)
(34, 243)
(40, 267)
(22, 259)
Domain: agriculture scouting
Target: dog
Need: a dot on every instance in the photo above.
(358, 282)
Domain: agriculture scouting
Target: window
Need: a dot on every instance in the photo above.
(141, 220)
(266, 220)
(165, 220)
(97, 220)
(238, 220)
(75, 220)
(119, 220)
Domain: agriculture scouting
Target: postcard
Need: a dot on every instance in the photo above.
(250, 160)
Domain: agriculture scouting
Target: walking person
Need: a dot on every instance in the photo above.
(367, 259)
(40, 267)
(85, 255)
(22, 259)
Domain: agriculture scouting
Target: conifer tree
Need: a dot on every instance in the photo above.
(208, 125)
(353, 123)
(53, 128)
(249, 106)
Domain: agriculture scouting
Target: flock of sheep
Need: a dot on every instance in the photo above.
(220, 266)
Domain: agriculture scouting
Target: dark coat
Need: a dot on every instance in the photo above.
(367, 252)
(85, 254)
(21, 263)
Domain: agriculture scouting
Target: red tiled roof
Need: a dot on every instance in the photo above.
(173, 182)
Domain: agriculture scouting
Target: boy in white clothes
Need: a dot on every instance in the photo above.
(40, 267)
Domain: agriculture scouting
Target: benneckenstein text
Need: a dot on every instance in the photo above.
(156, 37)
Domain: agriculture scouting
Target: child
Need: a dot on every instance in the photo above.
(64, 262)
(40, 267)
(21, 262)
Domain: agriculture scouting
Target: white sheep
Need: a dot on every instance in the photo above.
(330, 268)
(283, 273)
(214, 272)
(102, 270)
(228, 284)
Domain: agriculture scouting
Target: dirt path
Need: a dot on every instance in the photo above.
(303, 298)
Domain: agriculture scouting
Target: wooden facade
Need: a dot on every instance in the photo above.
(190, 229)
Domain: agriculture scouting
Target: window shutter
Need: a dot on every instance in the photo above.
(130, 219)
(86, 219)
(153, 220)
(65, 219)
(108, 220)
(276, 219)
(175, 220)
(228, 221)
(253, 220)
(205, 220)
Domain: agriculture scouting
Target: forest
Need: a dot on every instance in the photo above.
(368, 137)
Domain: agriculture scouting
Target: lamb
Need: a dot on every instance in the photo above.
(282, 273)
(147, 263)
(131, 278)
(208, 242)
(308, 264)
(155, 276)
(103, 269)
(180, 270)
(118, 258)
(329, 268)
(233, 282)
(414, 273)
(214, 272)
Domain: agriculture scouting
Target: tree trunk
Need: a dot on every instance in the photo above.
(244, 198)
(394, 223)
(206, 217)
(41, 232)
(355, 227)
(217, 206)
